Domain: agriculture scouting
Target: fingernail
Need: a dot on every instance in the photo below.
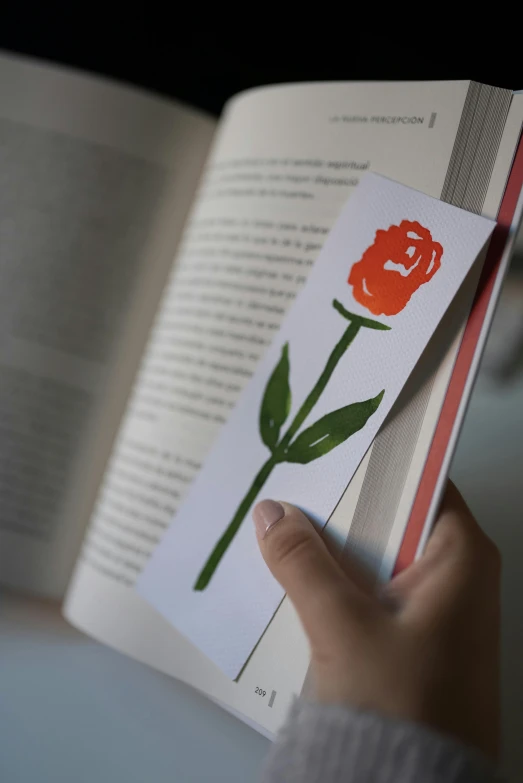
(265, 515)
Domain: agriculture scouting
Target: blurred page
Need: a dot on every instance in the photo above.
(90, 213)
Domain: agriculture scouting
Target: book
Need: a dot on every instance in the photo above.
(149, 255)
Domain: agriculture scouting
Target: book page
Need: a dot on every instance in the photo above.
(285, 162)
(96, 183)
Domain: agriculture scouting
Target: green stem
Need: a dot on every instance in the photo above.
(316, 392)
(222, 545)
(356, 322)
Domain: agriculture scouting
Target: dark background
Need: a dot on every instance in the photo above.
(176, 50)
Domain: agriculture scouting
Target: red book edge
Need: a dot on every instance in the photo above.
(453, 411)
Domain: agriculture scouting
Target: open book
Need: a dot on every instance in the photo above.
(149, 255)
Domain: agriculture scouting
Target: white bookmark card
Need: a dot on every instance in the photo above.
(386, 275)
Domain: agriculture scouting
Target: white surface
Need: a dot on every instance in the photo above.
(226, 623)
(71, 709)
(74, 710)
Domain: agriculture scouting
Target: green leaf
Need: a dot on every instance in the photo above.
(331, 430)
(276, 402)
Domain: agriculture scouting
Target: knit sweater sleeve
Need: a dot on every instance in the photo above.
(335, 744)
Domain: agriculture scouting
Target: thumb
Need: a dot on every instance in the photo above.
(326, 600)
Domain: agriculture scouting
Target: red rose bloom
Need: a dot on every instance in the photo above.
(401, 259)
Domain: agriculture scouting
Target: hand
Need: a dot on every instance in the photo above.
(424, 648)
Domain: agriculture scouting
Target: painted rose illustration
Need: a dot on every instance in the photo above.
(401, 259)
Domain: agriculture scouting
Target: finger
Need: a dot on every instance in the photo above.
(456, 534)
(459, 560)
(326, 601)
(350, 560)
(359, 571)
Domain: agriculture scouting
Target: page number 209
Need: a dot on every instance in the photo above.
(262, 693)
